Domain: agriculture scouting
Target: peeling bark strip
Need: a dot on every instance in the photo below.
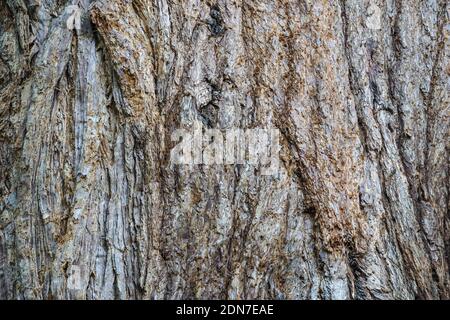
(92, 91)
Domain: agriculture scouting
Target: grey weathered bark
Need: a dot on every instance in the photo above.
(359, 209)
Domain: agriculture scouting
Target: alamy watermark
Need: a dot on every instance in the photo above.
(257, 147)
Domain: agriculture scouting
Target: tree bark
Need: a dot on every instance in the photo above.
(91, 206)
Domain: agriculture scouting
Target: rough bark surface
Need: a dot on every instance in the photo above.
(359, 210)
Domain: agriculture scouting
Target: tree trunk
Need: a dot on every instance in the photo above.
(92, 205)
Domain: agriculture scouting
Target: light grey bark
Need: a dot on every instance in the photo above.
(359, 210)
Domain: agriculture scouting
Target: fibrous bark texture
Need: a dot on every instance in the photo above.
(92, 208)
